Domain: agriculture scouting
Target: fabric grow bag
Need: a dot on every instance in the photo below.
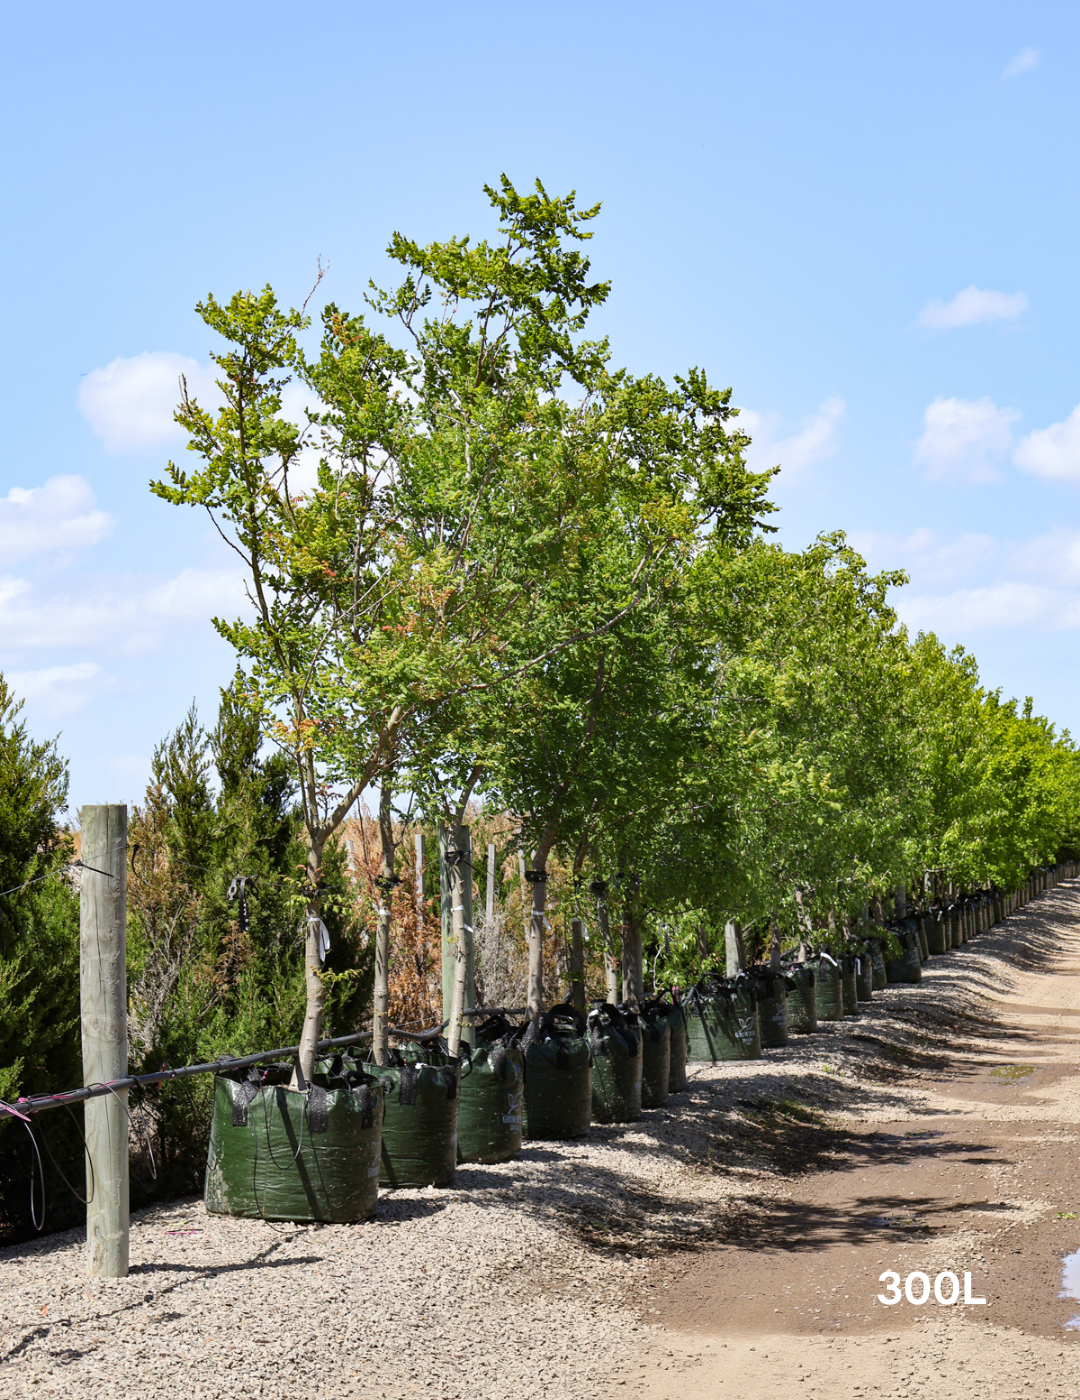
(956, 926)
(419, 1140)
(491, 1096)
(617, 1058)
(282, 1155)
(802, 1000)
(722, 1021)
(864, 976)
(849, 991)
(655, 1028)
(924, 942)
(938, 932)
(772, 1004)
(558, 1076)
(906, 968)
(830, 992)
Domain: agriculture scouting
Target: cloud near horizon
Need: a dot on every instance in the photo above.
(972, 307)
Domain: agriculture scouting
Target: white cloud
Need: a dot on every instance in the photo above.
(130, 403)
(59, 690)
(995, 607)
(972, 307)
(1024, 62)
(1054, 556)
(965, 438)
(125, 617)
(924, 555)
(53, 518)
(1052, 452)
(817, 438)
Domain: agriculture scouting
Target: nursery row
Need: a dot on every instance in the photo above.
(322, 1153)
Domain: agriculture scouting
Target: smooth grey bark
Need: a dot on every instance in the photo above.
(577, 965)
(734, 951)
(611, 964)
(380, 1041)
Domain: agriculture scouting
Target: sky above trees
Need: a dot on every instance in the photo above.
(858, 218)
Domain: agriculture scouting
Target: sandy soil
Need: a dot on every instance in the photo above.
(728, 1244)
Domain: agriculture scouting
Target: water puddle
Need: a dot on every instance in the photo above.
(1070, 1283)
(1012, 1072)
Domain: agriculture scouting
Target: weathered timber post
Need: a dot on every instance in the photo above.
(577, 966)
(103, 998)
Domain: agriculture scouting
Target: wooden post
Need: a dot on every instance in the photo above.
(489, 893)
(103, 998)
(577, 966)
(734, 952)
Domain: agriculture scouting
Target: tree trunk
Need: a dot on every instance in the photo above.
(632, 980)
(535, 1000)
(611, 965)
(316, 991)
(459, 870)
(734, 952)
(577, 966)
(380, 1041)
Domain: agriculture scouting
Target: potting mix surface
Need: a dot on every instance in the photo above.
(730, 1243)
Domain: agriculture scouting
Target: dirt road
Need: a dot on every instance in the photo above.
(973, 1171)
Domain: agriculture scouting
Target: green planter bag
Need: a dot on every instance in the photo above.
(938, 932)
(558, 1076)
(617, 1058)
(655, 1027)
(907, 968)
(830, 991)
(924, 942)
(773, 991)
(282, 1155)
(849, 991)
(722, 1020)
(419, 1141)
(802, 999)
(864, 976)
(956, 926)
(491, 1095)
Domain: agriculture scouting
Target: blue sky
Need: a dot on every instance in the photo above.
(862, 218)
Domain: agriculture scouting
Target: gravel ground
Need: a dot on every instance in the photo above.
(543, 1267)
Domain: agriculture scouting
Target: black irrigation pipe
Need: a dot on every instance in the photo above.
(22, 1107)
